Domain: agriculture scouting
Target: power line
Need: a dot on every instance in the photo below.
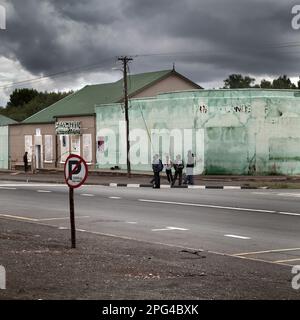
(57, 74)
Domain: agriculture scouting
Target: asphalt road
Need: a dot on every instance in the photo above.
(252, 224)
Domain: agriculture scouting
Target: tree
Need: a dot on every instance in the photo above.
(237, 81)
(19, 108)
(19, 97)
(265, 84)
(283, 82)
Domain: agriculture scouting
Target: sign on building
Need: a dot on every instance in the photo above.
(67, 127)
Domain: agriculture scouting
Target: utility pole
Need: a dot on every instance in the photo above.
(125, 61)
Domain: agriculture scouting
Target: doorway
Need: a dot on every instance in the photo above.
(38, 157)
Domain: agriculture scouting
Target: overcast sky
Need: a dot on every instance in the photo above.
(207, 39)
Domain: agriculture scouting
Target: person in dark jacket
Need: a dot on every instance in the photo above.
(157, 167)
(178, 166)
(25, 160)
(189, 178)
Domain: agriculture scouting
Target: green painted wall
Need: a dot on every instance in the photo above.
(4, 147)
(233, 131)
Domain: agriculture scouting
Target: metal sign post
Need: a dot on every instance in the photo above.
(76, 172)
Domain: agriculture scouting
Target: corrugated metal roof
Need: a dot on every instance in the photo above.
(83, 101)
(4, 121)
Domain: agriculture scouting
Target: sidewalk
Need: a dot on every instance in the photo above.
(40, 265)
(120, 178)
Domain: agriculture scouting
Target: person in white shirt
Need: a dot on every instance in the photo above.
(168, 167)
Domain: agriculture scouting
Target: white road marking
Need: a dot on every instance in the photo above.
(131, 222)
(31, 185)
(44, 191)
(165, 186)
(62, 218)
(62, 228)
(81, 230)
(18, 217)
(207, 206)
(237, 237)
(170, 228)
(289, 213)
(87, 195)
(8, 188)
(266, 251)
(115, 198)
(297, 195)
(288, 260)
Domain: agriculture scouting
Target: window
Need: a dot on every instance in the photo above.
(75, 144)
(87, 147)
(28, 147)
(48, 148)
(64, 148)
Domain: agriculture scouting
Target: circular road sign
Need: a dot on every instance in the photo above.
(76, 171)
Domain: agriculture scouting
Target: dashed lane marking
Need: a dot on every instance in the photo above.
(44, 191)
(170, 229)
(8, 188)
(87, 195)
(236, 236)
(115, 198)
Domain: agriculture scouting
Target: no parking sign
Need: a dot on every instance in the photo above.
(76, 171)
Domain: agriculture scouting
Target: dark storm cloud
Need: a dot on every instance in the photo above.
(218, 36)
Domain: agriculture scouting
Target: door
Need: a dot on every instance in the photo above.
(38, 157)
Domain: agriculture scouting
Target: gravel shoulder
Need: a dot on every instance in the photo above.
(40, 265)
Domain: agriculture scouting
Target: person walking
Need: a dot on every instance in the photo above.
(157, 167)
(189, 178)
(168, 167)
(25, 160)
(178, 166)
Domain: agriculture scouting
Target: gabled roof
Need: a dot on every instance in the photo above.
(4, 121)
(83, 101)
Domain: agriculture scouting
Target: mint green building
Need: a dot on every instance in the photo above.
(246, 131)
(4, 149)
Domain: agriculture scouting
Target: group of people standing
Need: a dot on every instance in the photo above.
(178, 165)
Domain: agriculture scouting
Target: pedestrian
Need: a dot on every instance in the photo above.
(189, 178)
(25, 160)
(157, 167)
(178, 166)
(168, 167)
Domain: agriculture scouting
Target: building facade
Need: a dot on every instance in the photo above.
(69, 126)
(247, 131)
(4, 141)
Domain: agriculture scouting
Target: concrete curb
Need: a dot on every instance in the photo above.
(166, 186)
